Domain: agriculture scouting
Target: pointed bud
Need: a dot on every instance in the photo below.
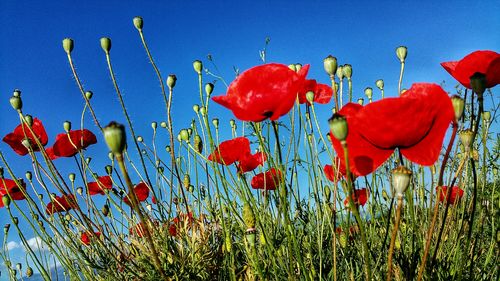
(6, 201)
(106, 44)
(115, 137)
(163, 124)
(196, 108)
(88, 95)
(29, 176)
(478, 83)
(338, 126)
(458, 106)
(330, 65)
(184, 135)
(72, 177)
(347, 70)
(215, 122)
(232, 123)
(68, 45)
(198, 66)
(361, 101)
(401, 52)
(67, 126)
(400, 180)
(15, 101)
(466, 138)
(15, 220)
(310, 96)
(154, 125)
(369, 93)
(340, 72)
(380, 84)
(138, 23)
(209, 88)
(171, 81)
(292, 67)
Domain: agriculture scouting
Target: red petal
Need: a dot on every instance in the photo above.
(98, 187)
(230, 151)
(50, 153)
(456, 194)
(250, 162)
(361, 196)
(485, 62)
(61, 204)
(21, 132)
(14, 141)
(8, 186)
(141, 191)
(80, 139)
(268, 180)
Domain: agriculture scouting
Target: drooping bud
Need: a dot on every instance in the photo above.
(347, 70)
(68, 45)
(138, 23)
(215, 122)
(67, 126)
(105, 210)
(108, 169)
(115, 137)
(232, 123)
(330, 65)
(184, 135)
(338, 126)
(369, 93)
(478, 83)
(163, 124)
(168, 148)
(310, 96)
(209, 88)
(15, 220)
(401, 52)
(466, 138)
(458, 106)
(400, 180)
(203, 111)
(15, 101)
(106, 44)
(79, 190)
(171, 80)
(198, 66)
(72, 177)
(154, 125)
(380, 84)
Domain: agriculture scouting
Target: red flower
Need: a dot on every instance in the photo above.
(141, 191)
(361, 196)
(86, 237)
(154, 200)
(230, 151)
(100, 185)
(50, 153)
(333, 176)
(10, 188)
(415, 123)
(172, 229)
(251, 161)
(268, 180)
(456, 194)
(322, 93)
(265, 91)
(69, 146)
(139, 229)
(15, 138)
(61, 204)
(485, 62)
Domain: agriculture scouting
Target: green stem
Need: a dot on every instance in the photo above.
(393, 237)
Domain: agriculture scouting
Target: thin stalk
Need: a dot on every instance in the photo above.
(393, 237)
(400, 78)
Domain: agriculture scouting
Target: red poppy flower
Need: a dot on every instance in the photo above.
(361, 197)
(50, 153)
(10, 188)
(87, 236)
(251, 161)
(322, 93)
(14, 139)
(485, 62)
(141, 191)
(415, 123)
(265, 91)
(154, 200)
(230, 151)
(330, 173)
(61, 204)
(268, 180)
(188, 219)
(100, 185)
(139, 229)
(69, 146)
(456, 194)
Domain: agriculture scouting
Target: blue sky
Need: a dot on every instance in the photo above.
(363, 34)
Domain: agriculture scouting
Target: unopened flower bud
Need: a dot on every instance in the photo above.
(171, 80)
(328, 193)
(87, 160)
(203, 111)
(401, 52)
(487, 116)
(15, 220)
(209, 88)
(380, 84)
(310, 96)
(338, 126)
(163, 124)
(79, 190)
(198, 144)
(198, 66)
(330, 65)
(88, 94)
(340, 72)
(478, 83)
(68, 45)
(6, 201)
(184, 135)
(215, 122)
(292, 67)
(115, 137)
(67, 126)
(29, 176)
(168, 148)
(138, 23)
(15, 101)
(466, 138)
(298, 67)
(105, 210)
(196, 108)
(72, 177)
(361, 101)
(106, 44)
(458, 106)
(232, 123)
(140, 139)
(29, 119)
(186, 181)
(369, 93)
(400, 180)
(347, 70)
(29, 272)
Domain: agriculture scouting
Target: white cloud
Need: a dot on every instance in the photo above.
(13, 245)
(35, 243)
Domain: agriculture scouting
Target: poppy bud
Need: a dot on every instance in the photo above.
(105, 210)
(154, 125)
(167, 148)
(40, 196)
(6, 200)
(338, 126)
(198, 144)
(186, 181)
(184, 135)
(115, 137)
(26, 143)
(15, 220)
(88, 94)
(330, 65)
(478, 83)
(340, 72)
(248, 216)
(209, 88)
(79, 190)
(466, 138)
(232, 123)
(215, 122)
(72, 177)
(29, 119)
(67, 126)
(486, 116)
(171, 80)
(109, 169)
(292, 67)
(149, 207)
(400, 180)
(29, 272)
(310, 96)
(385, 195)
(163, 124)
(401, 52)
(198, 66)
(203, 111)
(106, 44)
(196, 108)
(328, 193)
(369, 93)
(361, 101)
(29, 176)
(138, 23)
(458, 106)
(347, 70)
(140, 139)
(190, 131)
(179, 138)
(87, 160)
(298, 67)
(15, 101)
(380, 84)
(68, 45)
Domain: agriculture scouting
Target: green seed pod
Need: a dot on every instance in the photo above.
(184, 135)
(338, 126)
(29, 272)
(15, 101)
(209, 88)
(215, 122)
(68, 45)
(401, 53)
(380, 84)
(115, 137)
(369, 93)
(138, 23)
(298, 67)
(466, 138)
(29, 176)
(79, 190)
(203, 111)
(330, 65)
(198, 66)
(458, 106)
(196, 108)
(487, 116)
(347, 70)
(154, 125)
(171, 81)
(29, 119)
(292, 67)
(163, 124)
(400, 180)
(340, 72)
(198, 144)
(248, 216)
(106, 44)
(89, 94)
(328, 193)
(310, 96)
(72, 177)
(108, 169)
(478, 83)
(186, 181)
(105, 210)
(67, 126)
(6, 201)
(361, 101)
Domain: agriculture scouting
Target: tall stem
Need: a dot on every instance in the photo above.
(393, 237)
